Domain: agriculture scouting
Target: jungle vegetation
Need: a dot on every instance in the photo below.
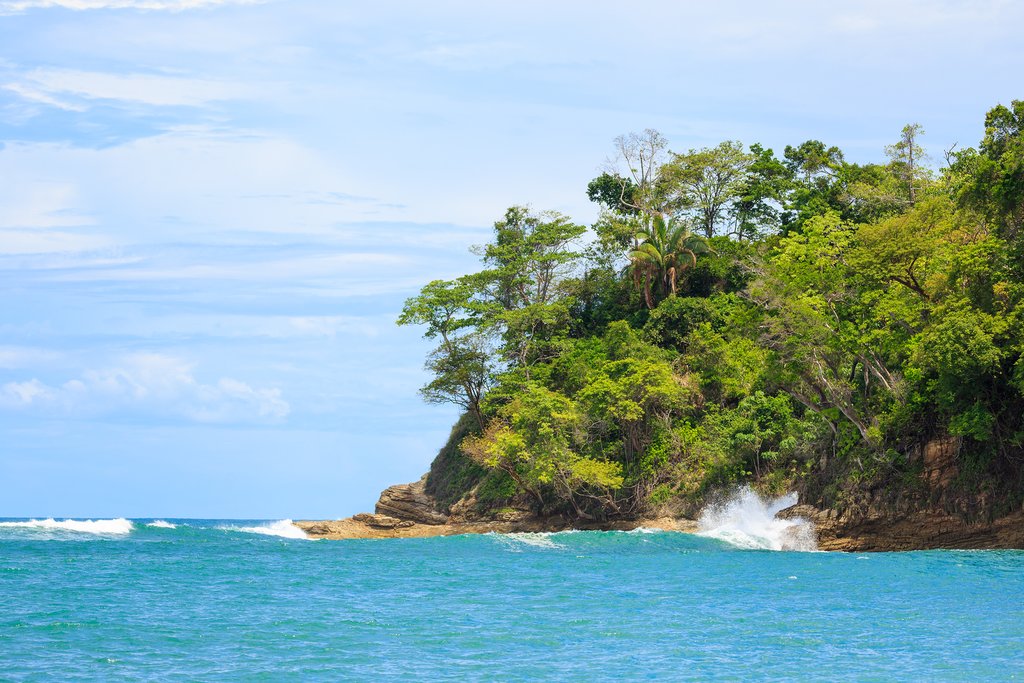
(736, 316)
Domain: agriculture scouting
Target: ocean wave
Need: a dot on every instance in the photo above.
(538, 539)
(283, 528)
(748, 521)
(161, 524)
(119, 526)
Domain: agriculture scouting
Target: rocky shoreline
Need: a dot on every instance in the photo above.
(917, 530)
(383, 526)
(407, 511)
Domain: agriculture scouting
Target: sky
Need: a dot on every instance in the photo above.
(211, 211)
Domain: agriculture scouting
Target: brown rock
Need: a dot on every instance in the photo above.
(410, 502)
(914, 530)
(940, 468)
(381, 521)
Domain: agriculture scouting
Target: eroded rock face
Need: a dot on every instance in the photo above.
(940, 464)
(917, 530)
(409, 502)
(382, 521)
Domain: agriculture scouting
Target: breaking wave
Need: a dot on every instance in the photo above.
(283, 528)
(161, 524)
(117, 526)
(535, 539)
(748, 521)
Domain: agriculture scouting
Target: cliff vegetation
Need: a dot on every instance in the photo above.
(853, 331)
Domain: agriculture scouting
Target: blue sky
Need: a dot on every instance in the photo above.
(212, 210)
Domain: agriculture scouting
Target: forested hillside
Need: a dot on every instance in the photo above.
(738, 316)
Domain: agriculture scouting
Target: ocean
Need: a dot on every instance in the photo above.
(209, 600)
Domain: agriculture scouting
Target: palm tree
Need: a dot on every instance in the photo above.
(663, 252)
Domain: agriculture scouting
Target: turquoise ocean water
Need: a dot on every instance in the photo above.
(231, 601)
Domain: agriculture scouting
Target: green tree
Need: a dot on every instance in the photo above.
(461, 362)
(758, 206)
(537, 440)
(665, 250)
(707, 182)
(907, 159)
(528, 265)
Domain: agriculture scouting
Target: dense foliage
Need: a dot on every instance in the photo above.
(733, 317)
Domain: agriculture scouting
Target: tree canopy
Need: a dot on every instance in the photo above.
(734, 316)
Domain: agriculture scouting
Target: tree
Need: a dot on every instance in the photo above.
(615, 193)
(666, 249)
(760, 195)
(991, 181)
(815, 169)
(906, 160)
(633, 180)
(461, 362)
(707, 181)
(528, 264)
(538, 440)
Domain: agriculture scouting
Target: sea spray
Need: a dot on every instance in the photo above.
(162, 524)
(746, 520)
(540, 539)
(119, 526)
(283, 528)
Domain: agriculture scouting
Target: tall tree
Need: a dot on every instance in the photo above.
(907, 159)
(667, 248)
(633, 180)
(707, 181)
(460, 363)
(761, 195)
(991, 180)
(528, 263)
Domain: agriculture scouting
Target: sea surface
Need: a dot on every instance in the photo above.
(209, 600)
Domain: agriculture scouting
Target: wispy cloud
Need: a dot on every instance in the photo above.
(149, 384)
(20, 356)
(56, 86)
(170, 5)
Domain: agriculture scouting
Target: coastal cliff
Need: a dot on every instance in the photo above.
(850, 332)
(873, 521)
(408, 511)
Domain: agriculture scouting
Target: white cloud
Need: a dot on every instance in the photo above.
(20, 357)
(187, 180)
(151, 384)
(39, 204)
(19, 242)
(45, 84)
(35, 95)
(171, 5)
(25, 393)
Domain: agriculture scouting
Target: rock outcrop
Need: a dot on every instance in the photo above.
(408, 511)
(879, 530)
(410, 502)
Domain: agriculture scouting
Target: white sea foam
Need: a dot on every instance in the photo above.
(117, 526)
(161, 524)
(540, 539)
(283, 528)
(746, 520)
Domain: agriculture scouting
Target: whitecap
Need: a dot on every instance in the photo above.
(748, 521)
(283, 528)
(539, 539)
(162, 524)
(117, 526)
